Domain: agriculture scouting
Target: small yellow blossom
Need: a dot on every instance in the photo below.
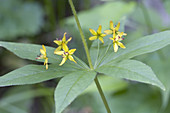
(116, 41)
(66, 54)
(97, 34)
(112, 29)
(43, 55)
(62, 42)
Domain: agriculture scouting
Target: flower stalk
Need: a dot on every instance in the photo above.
(88, 57)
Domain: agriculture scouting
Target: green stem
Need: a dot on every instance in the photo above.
(108, 47)
(81, 34)
(98, 47)
(88, 56)
(102, 95)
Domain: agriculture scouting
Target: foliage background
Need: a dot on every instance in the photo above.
(41, 21)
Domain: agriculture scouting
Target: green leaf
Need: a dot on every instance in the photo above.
(103, 14)
(132, 70)
(141, 46)
(31, 74)
(30, 51)
(108, 84)
(26, 19)
(70, 87)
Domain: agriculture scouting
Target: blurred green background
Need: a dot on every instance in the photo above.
(42, 21)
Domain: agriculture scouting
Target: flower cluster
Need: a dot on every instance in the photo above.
(62, 50)
(114, 31)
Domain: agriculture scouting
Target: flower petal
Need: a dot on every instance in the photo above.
(121, 45)
(65, 48)
(117, 26)
(64, 37)
(108, 32)
(103, 35)
(71, 58)
(93, 38)
(57, 49)
(68, 40)
(44, 48)
(93, 32)
(114, 34)
(71, 51)
(115, 46)
(63, 61)
(59, 52)
(99, 30)
(46, 66)
(111, 25)
(111, 39)
(101, 39)
(58, 42)
(43, 52)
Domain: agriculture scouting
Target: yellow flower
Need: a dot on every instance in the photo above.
(60, 42)
(66, 54)
(43, 55)
(116, 41)
(97, 34)
(112, 29)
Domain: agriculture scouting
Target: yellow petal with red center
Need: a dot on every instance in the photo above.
(120, 34)
(57, 49)
(117, 27)
(71, 51)
(44, 48)
(93, 38)
(71, 58)
(115, 46)
(68, 40)
(43, 52)
(64, 37)
(108, 32)
(58, 42)
(103, 35)
(111, 25)
(65, 48)
(99, 30)
(101, 39)
(93, 32)
(63, 61)
(121, 45)
(59, 52)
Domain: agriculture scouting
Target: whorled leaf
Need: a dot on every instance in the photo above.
(70, 87)
(30, 51)
(32, 74)
(131, 70)
(140, 46)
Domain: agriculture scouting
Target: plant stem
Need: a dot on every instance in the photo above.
(81, 34)
(98, 47)
(102, 95)
(88, 56)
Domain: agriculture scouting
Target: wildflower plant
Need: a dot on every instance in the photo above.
(75, 74)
